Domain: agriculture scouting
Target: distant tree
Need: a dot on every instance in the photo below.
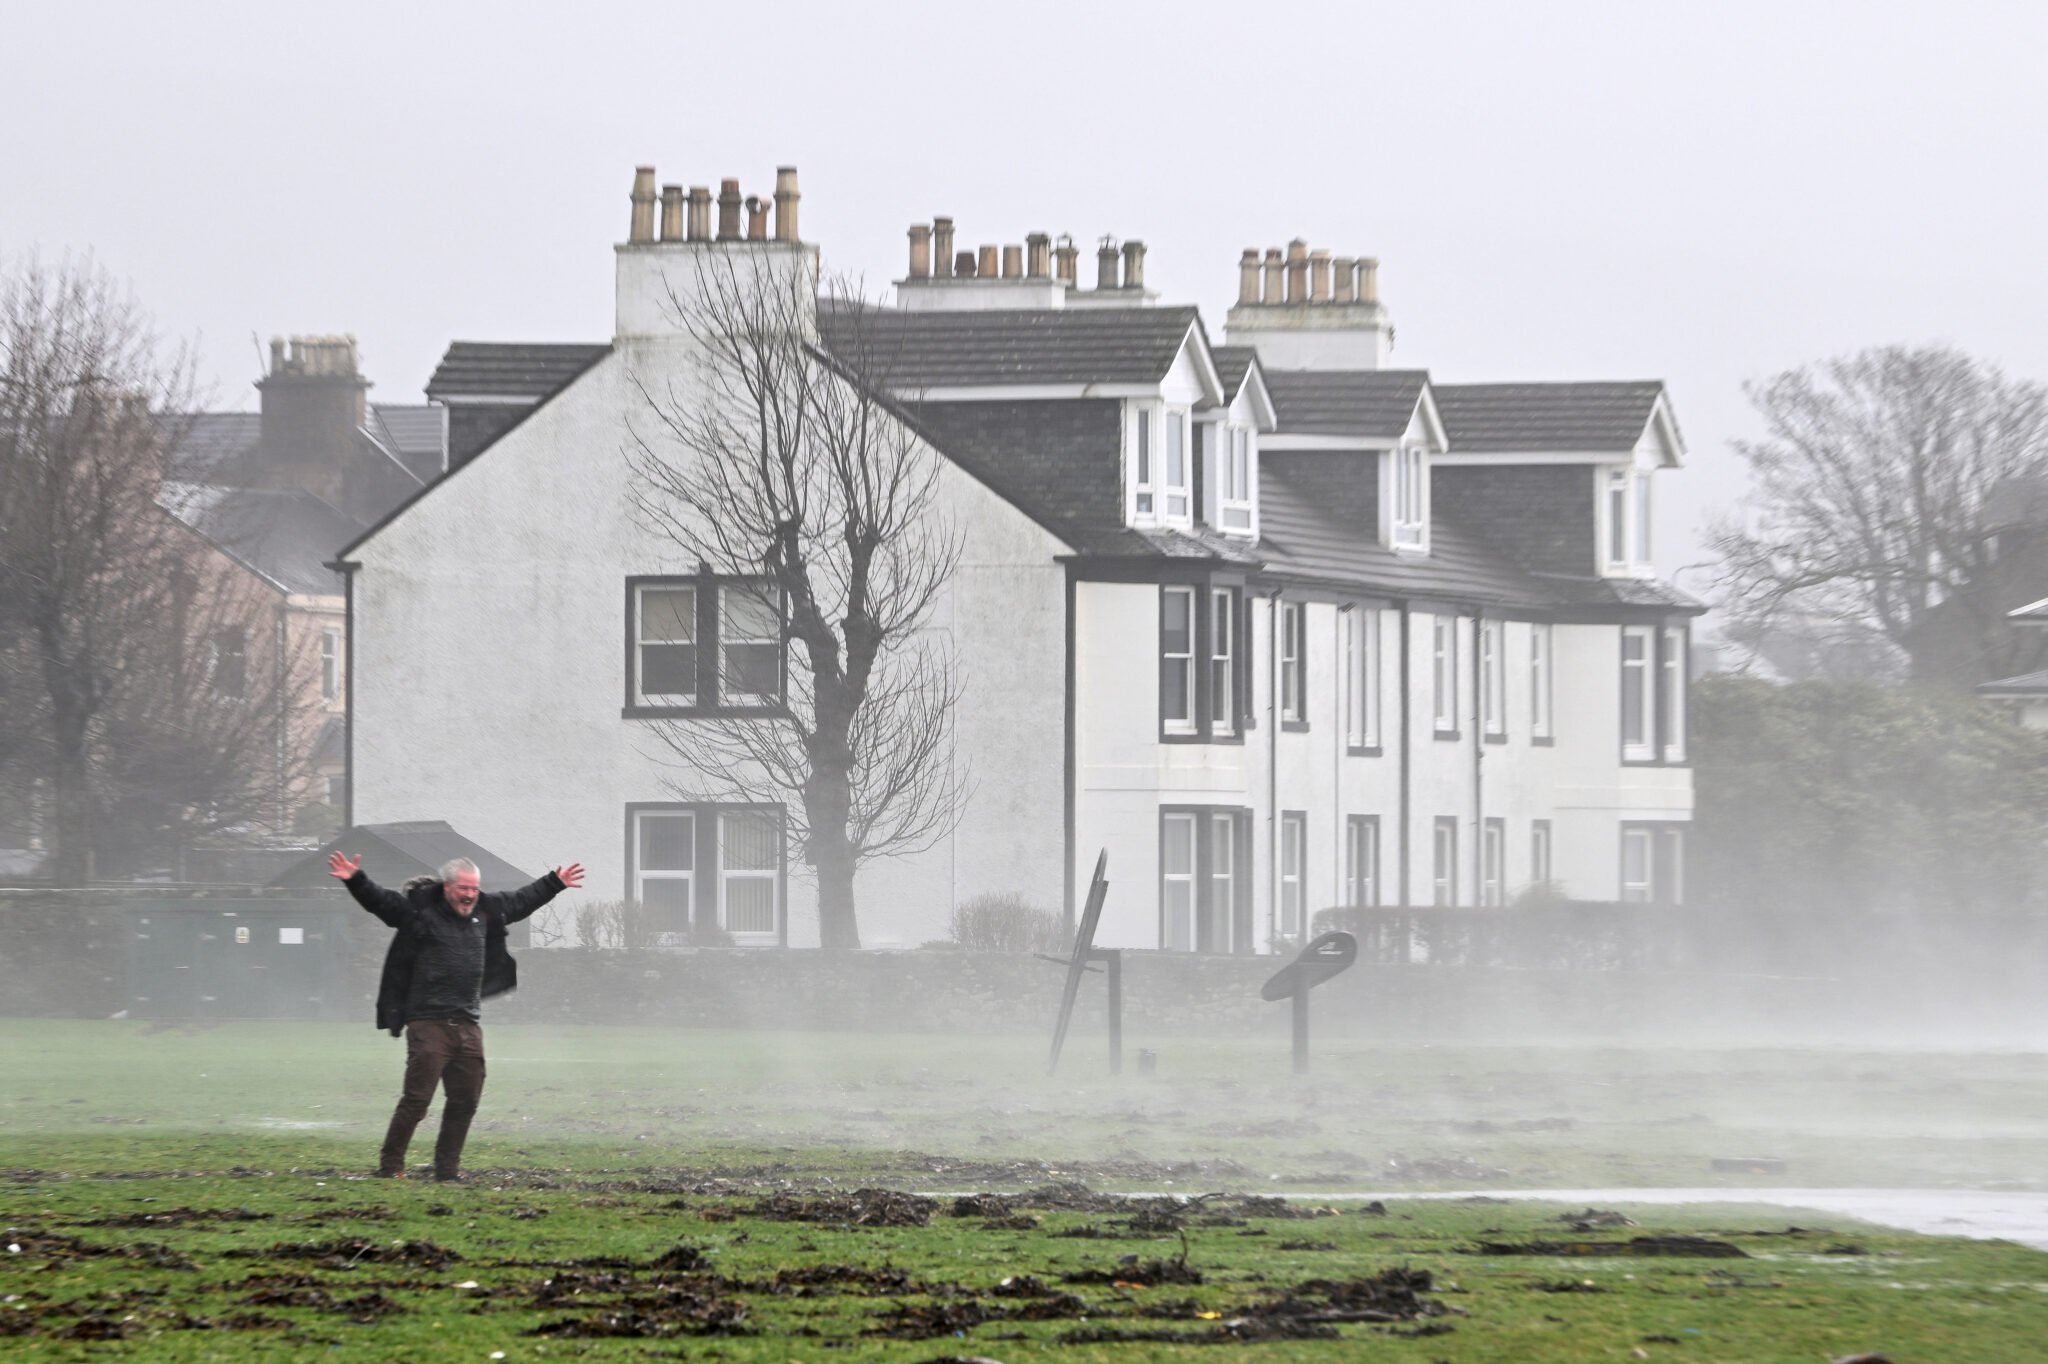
(1854, 797)
(1892, 489)
(787, 468)
(143, 692)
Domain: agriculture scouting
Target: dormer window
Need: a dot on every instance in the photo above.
(1145, 477)
(1162, 467)
(1625, 507)
(1234, 480)
(1409, 503)
(1178, 485)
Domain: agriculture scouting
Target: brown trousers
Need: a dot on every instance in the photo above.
(448, 1052)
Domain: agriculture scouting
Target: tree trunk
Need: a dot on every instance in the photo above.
(827, 800)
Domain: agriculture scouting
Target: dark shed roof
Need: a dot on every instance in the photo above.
(1593, 417)
(510, 369)
(909, 352)
(394, 853)
(1372, 404)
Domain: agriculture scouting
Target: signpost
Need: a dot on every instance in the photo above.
(1085, 951)
(1326, 955)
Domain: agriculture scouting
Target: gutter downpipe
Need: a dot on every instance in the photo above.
(1479, 756)
(1273, 768)
(1407, 744)
(347, 569)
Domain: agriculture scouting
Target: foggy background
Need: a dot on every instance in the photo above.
(1700, 193)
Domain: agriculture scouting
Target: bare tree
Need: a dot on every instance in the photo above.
(786, 468)
(1901, 495)
(113, 630)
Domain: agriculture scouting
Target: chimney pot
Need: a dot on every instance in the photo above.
(642, 229)
(671, 213)
(1105, 264)
(985, 267)
(1368, 280)
(1067, 260)
(963, 265)
(1248, 276)
(1038, 255)
(1319, 276)
(1134, 265)
(277, 355)
(1013, 262)
(1344, 271)
(920, 250)
(757, 218)
(729, 211)
(700, 213)
(786, 197)
(1297, 271)
(942, 246)
(1275, 272)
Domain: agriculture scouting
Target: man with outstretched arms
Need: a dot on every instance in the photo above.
(448, 955)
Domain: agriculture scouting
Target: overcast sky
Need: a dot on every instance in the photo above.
(1703, 193)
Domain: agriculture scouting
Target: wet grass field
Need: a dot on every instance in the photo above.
(199, 1193)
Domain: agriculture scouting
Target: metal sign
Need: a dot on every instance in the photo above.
(1326, 955)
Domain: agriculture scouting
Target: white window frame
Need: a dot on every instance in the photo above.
(1221, 900)
(1222, 661)
(1176, 489)
(1362, 862)
(771, 875)
(1183, 661)
(1676, 667)
(1144, 469)
(1639, 517)
(753, 598)
(641, 696)
(1615, 501)
(1177, 921)
(1362, 677)
(1293, 661)
(1444, 674)
(1638, 883)
(1671, 847)
(1493, 856)
(1539, 853)
(1293, 873)
(1638, 680)
(1443, 883)
(1493, 678)
(687, 875)
(1408, 519)
(1542, 666)
(330, 664)
(1235, 485)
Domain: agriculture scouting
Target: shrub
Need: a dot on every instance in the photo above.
(1006, 923)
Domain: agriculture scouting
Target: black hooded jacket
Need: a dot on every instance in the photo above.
(402, 910)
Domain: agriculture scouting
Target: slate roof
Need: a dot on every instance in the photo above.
(201, 443)
(285, 537)
(1233, 363)
(1299, 535)
(512, 370)
(417, 434)
(1575, 590)
(393, 853)
(1591, 417)
(910, 352)
(1374, 404)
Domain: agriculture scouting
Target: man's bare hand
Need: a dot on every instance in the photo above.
(340, 864)
(572, 875)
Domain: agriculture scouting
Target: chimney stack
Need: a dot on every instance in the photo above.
(942, 245)
(277, 355)
(963, 265)
(757, 218)
(1319, 276)
(1067, 261)
(1134, 265)
(1368, 280)
(700, 213)
(729, 211)
(786, 197)
(671, 213)
(1343, 271)
(1105, 264)
(920, 250)
(1013, 262)
(1248, 276)
(642, 229)
(1297, 271)
(1273, 276)
(1038, 256)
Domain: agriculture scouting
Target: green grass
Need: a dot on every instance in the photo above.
(157, 1179)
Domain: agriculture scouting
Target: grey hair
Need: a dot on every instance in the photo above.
(455, 866)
